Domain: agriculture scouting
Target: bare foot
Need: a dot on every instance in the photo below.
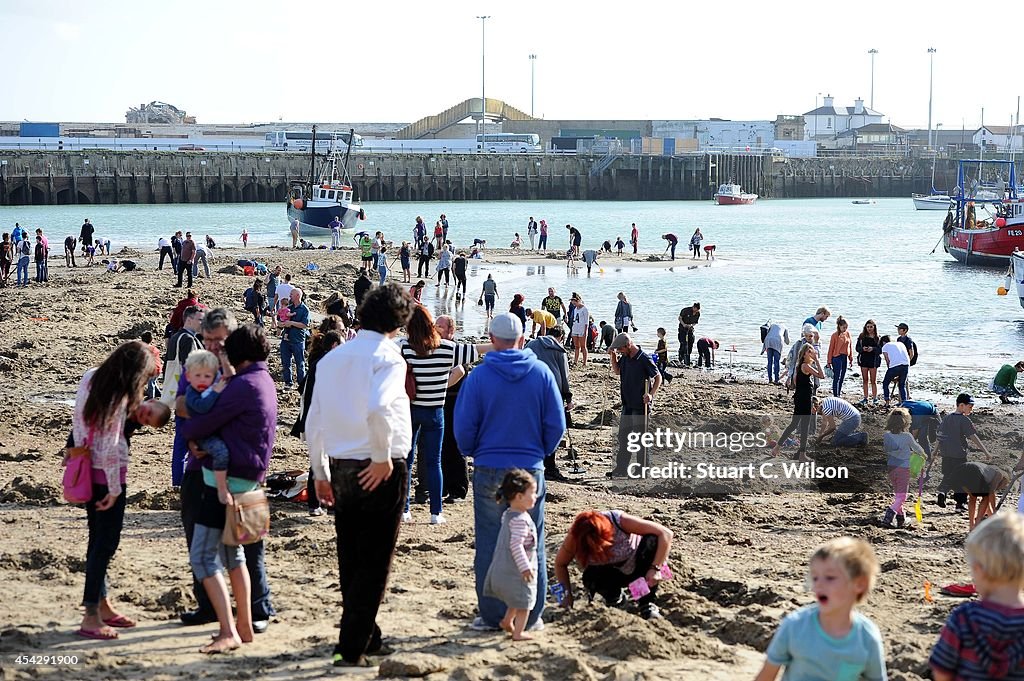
(522, 637)
(506, 625)
(220, 645)
(246, 634)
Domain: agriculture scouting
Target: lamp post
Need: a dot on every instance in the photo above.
(872, 52)
(533, 64)
(931, 71)
(483, 71)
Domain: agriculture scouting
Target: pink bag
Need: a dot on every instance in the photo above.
(78, 474)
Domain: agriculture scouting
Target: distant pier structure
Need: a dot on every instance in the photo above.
(154, 177)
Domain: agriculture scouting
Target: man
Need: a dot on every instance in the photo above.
(634, 237)
(955, 432)
(689, 317)
(425, 253)
(459, 270)
(844, 434)
(177, 320)
(216, 327)
(607, 336)
(69, 251)
(85, 235)
(293, 229)
(186, 259)
(282, 293)
(1005, 382)
(897, 362)
(44, 267)
(165, 252)
(911, 347)
(444, 227)
(201, 257)
(554, 305)
(816, 320)
(672, 240)
(500, 438)
(176, 247)
(335, 225)
(542, 318)
(575, 239)
(293, 340)
(362, 287)
(378, 241)
(531, 232)
(357, 450)
(635, 370)
(550, 350)
(179, 347)
(590, 258)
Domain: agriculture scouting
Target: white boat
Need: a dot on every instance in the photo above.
(864, 202)
(931, 201)
(1017, 274)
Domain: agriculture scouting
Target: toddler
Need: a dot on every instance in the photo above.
(512, 576)
(517, 242)
(661, 355)
(981, 639)
(901, 449)
(772, 433)
(200, 396)
(829, 639)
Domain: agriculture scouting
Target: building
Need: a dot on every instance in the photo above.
(828, 120)
(874, 137)
(789, 128)
(999, 138)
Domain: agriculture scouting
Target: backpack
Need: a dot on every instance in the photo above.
(913, 360)
(250, 300)
(24, 247)
(765, 328)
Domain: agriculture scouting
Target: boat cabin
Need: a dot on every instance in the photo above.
(333, 194)
(729, 190)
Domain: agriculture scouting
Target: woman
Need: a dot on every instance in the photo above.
(489, 294)
(614, 549)
(869, 358)
(106, 395)
(807, 366)
(543, 244)
(6, 258)
(840, 355)
(517, 308)
(695, 242)
(405, 254)
(439, 234)
(431, 360)
(623, 314)
(444, 265)
(580, 329)
(246, 418)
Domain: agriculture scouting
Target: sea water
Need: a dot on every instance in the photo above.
(776, 260)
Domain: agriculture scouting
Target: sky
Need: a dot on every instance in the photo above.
(225, 61)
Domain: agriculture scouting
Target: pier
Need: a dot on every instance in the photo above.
(145, 177)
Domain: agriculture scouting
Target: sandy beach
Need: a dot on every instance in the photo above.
(739, 559)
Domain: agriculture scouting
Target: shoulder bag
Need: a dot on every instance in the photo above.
(78, 474)
(248, 519)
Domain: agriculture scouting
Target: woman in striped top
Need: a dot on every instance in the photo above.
(431, 360)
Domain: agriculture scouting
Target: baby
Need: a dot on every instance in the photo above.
(772, 433)
(201, 395)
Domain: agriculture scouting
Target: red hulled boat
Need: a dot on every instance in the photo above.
(988, 242)
(732, 195)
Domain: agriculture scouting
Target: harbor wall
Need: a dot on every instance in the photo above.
(130, 177)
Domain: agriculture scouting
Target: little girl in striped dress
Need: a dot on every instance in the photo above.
(512, 576)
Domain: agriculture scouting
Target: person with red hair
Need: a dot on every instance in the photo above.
(614, 549)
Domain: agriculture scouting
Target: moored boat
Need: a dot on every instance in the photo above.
(931, 201)
(315, 203)
(988, 242)
(1017, 274)
(733, 195)
(864, 202)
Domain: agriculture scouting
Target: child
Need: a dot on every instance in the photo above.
(829, 639)
(981, 482)
(200, 396)
(245, 238)
(662, 355)
(570, 259)
(981, 638)
(899, 447)
(512, 576)
(619, 245)
(772, 433)
(955, 432)
(516, 242)
(706, 352)
(382, 264)
(840, 355)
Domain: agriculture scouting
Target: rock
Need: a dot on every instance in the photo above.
(411, 664)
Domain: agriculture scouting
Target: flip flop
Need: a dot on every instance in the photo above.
(120, 621)
(97, 634)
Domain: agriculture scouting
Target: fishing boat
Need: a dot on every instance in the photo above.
(733, 195)
(1016, 274)
(987, 242)
(317, 201)
(864, 202)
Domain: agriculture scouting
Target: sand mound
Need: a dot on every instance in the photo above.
(164, 500)
(17, 640)
(40, 559)
(30, 493)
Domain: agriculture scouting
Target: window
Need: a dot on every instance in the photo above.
(828, 122)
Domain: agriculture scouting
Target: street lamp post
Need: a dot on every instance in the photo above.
(931, 71)
(872, 52)
(483, 71)
(533, 64)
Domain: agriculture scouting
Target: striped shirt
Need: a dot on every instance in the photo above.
(981, 640)
(839, 408)
(522, 540)
(432, 371)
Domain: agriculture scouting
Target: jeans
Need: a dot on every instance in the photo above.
(335, 239)
(543, 243)
(259, 595)
(489, 302)
(293, 349)
(630, 421)
(22, 270)
(208, 554)
(104, 536)
(166, 251)
(383, 271)
(846, 434)
(685, 343)
(672, 247)
(178, 451)
(427, 430)
(69, 257)
(773, 364)
(839, 363)
(447, 275)
(533, 238)
(200, 256)
(367, 525)
(487, 522)
(423, 265)
(900, 374)
(39, 271)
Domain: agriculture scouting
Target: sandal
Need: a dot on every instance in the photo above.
(101, 634)
(120, 621)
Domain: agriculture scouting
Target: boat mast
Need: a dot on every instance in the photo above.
(312, 160)
(351, 135)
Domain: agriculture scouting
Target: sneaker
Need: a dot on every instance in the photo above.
(339, 661)
(555, 475)
(437, 519)
(650, 612)
(317, 512)
(407, 517)
(888, 517)
(480, 625)
(901, 520)
(941, 500)
(536, 626)
(863, 403)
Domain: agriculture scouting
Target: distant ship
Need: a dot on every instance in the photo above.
(732, 195)
(315, 203)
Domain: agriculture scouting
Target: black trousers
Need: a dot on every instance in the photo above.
(447, 276)
(609, 581)
(630, 421)
(949, 468)
(685, 343)
(423, 266)
(104, 538)
(168, 253)
(367, 525)
(803, 422)
(185, 268)
(703, 353)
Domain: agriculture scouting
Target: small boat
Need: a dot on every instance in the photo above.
(864, 202)
(1017, 274)
(937, 201)
(988, 242)
(315, 203)
(732, 195)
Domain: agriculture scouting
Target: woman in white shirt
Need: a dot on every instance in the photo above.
(580, 328)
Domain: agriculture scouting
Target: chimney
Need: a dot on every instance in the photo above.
(827, 103)
(858, 106)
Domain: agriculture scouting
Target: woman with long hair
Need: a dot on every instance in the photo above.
(580, 329)
(623, 313)
(431, 360)
(516, 307)
(869, 358)
(614, 549)
(807, 366)
(106, 395)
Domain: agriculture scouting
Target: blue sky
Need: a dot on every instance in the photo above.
(397, 61)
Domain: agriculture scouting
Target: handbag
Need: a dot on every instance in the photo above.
(78, 474)
(248, 519)
(410, 381)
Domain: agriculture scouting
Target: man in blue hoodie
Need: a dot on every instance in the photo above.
(499, 439)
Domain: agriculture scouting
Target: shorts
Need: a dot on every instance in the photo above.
(208, 554)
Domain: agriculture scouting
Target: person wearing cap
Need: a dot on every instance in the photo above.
(955, 433)
(635, 370)
(509, 415)
(1004, 384)
(897, 363)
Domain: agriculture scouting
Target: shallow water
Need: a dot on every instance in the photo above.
(777, 260)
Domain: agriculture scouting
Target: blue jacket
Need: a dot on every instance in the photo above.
(509, 413)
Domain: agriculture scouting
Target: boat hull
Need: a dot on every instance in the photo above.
(984, 247)
(742, 200)
(316, 220)
(1017, 271)
(933, 202)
